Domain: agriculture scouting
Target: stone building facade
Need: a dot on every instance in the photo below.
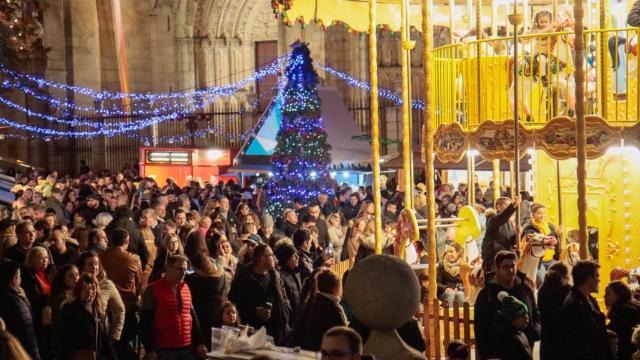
(186, 44)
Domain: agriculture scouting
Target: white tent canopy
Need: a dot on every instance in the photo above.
(255, 153)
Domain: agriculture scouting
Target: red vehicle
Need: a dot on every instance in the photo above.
(184, 164)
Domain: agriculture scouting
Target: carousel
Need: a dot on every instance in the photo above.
(557, 81)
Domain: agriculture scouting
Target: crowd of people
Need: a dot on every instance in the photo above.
(115, 266)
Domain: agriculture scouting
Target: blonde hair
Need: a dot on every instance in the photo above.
(30, 261)
(10, 347)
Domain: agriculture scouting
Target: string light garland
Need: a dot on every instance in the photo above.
(355, 82)
(145, 140)
(138, 109)
(139, 125)
(301, 100)
(271, 69)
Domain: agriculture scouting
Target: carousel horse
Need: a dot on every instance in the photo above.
(539, 73)
(534, 247)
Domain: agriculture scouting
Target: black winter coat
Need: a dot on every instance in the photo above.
(623, 318)
(349, 211)
(446, 280)
(584, 329)
(16, 313)
(247, 294)
(292, 286)
(499, 235)
(84, 331)
(486, 313)
(320, 315)
(207, 298)
(38, 301)
(550, 299)
(510, 343)
(289, 228)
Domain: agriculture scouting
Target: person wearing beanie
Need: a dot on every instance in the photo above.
(513, 318)
(288, 266)
(266, 229)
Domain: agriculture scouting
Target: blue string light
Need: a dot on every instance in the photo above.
(139, 125)
(271, 69)
(145, 140)
(354, 82)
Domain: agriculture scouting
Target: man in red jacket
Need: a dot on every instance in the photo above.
(169, 325)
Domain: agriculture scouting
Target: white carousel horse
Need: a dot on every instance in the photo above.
(534, 249)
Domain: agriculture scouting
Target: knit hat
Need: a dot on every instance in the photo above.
(284, 252)
(267, 221)
(254, 239)
(512, 308)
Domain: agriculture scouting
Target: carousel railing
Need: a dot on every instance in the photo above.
(474, 81)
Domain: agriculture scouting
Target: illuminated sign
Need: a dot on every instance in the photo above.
(168, 157)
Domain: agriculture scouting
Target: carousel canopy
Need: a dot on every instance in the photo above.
(355, 13)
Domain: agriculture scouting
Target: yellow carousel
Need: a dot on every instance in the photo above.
(558, 81)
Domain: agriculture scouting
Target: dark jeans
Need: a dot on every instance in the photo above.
(123, 346)
(175, 354)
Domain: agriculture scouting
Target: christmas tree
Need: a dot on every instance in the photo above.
(300, 163)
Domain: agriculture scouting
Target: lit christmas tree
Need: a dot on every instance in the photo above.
(301, 159)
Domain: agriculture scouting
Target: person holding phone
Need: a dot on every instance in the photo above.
(258, 292)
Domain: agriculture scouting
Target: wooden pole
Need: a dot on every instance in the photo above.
(512, 178)
(496, 181)
(375, 122)
(516, 148)
(428, 148)
(407, 145)
(580, 128)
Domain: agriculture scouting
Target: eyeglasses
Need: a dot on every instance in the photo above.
(332, 355)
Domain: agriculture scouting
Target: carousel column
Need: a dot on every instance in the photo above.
(602, 56)
(375, 122)
(428, 147)
(407, 145)
(580, 136)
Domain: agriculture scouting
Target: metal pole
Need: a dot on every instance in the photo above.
(428, 144)
(406, 102)
(516, 164)
(560, 218)
(496, 181)
(580, 128)
(375, 122)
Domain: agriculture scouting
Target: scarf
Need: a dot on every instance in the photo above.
(453, 268)
(543, 227)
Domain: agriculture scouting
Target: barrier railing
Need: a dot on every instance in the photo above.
(443, 323)
(474, 81)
